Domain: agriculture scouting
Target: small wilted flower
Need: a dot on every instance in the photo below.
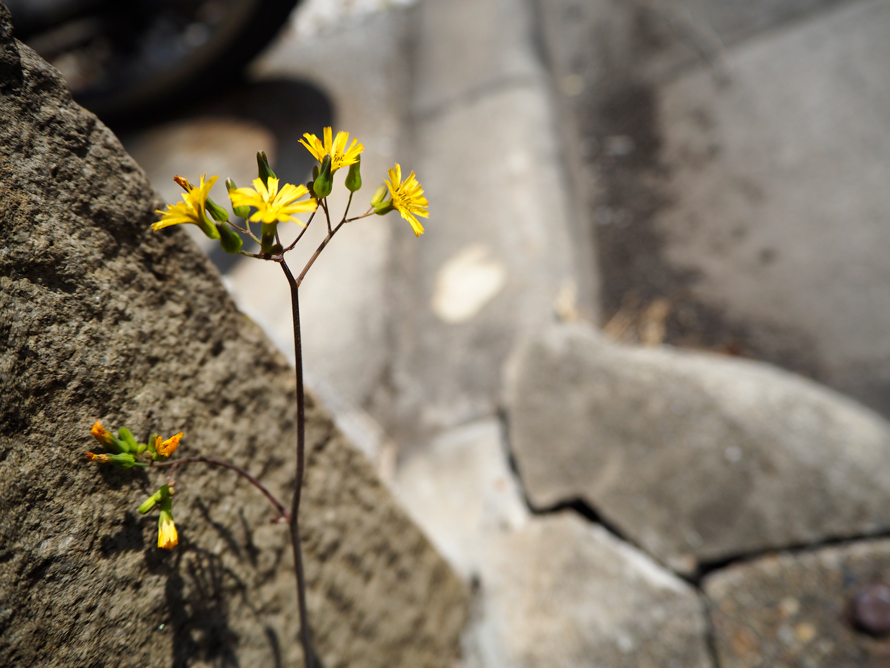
(101, 434)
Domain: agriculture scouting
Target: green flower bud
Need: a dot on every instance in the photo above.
(263, 170)
(240, 211)
(354, 177)
(324, 183)
(150, 502)
(218, 213)
(124, 460)
(378, 196)
(208, 228)
(125, 438)
(229, 239)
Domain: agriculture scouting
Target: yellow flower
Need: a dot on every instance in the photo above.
(340, 155)
(272, 205)
(407, 198)
(101, 434)
(168, 447)
(190, 210)
(167, 536)
(101, 459)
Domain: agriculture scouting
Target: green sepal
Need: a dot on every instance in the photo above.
(240, 211)
(383, 208)
(324, 182)
(264, 171)
(268, 244)
(150, 446)
(229, 239)
(354, 176)
(218, 213)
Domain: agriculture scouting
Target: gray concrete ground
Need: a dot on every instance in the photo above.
(703, 173)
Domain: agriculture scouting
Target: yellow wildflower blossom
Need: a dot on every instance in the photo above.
(190, 210)
(167, 536)
(168, 447)
(271, 204)
(340, 155)
(407, 198)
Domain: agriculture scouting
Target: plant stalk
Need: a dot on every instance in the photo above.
(309, 656)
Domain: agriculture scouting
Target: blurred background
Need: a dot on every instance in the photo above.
(702, 174)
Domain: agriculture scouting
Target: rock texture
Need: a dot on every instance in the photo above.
(102, 318)
(797, 610)
(695, 457)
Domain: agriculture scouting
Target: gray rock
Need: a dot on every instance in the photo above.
(797, 609)
(693, 456)
(562, 593)
(103, 318)
(554, 591)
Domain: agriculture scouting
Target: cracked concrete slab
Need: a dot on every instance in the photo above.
(693, 456)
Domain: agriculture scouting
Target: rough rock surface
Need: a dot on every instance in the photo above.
(796, 610)
(102, 318)
(693, 456)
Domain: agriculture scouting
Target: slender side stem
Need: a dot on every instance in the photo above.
(309, 657)
(327, 215)
(300, 235)
(174, 464)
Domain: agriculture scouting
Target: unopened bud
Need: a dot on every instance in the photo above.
(378, 196)
(229, 239)
(264, 171)
(354, 176)
(324, 182)
(240, 211)
(125, 436)
(183, 183)
(218, 213)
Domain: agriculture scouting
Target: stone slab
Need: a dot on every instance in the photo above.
(693, 456)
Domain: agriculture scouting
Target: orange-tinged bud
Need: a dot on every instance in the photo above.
(183, 183)
(101, 459)
(101, 434)
(168, 447)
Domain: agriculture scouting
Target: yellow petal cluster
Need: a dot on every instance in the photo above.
(167, 536)
(190, 209)
(336, 148)
(407, 198)
(168, 447)
(271, 204)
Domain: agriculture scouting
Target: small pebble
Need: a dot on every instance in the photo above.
(871, 609)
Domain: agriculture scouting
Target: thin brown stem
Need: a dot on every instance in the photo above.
(309, 657)
(174, 464)
(327, 215)
(300, 235)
